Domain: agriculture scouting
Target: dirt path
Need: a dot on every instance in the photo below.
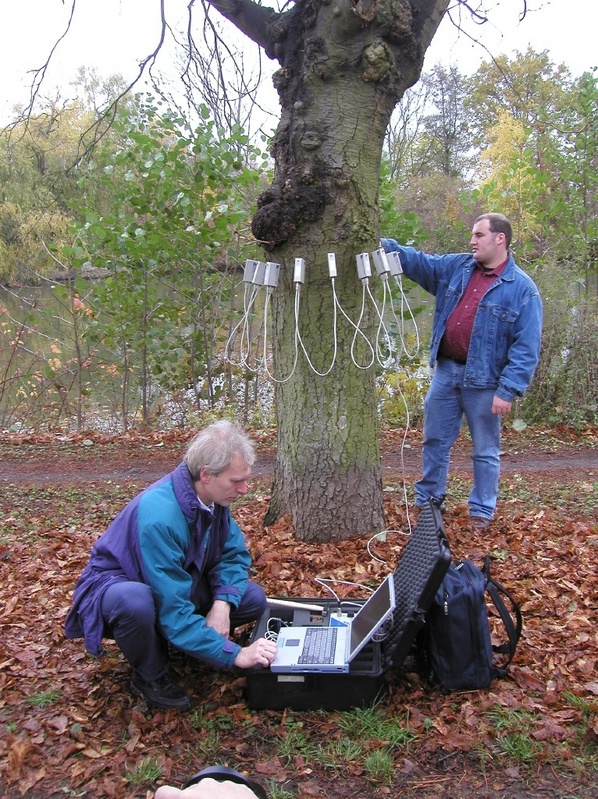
(81, 459)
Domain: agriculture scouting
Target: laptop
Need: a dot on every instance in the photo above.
(324, 649)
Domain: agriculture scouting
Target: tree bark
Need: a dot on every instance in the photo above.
(344, 66)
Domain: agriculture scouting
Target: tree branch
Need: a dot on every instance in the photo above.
(250, 18)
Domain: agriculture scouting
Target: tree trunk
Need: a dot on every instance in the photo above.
(344, 66)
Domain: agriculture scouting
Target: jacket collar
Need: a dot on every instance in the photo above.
(508, 272)
(186, 496)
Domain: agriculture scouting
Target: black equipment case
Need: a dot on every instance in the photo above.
(420, 570)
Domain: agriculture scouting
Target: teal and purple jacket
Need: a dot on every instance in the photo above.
(167, 540)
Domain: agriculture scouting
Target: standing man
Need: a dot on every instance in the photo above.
(485, 348)
(172, 568)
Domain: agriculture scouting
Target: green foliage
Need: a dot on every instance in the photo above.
(403, 226)
(535, 135)
(445, 142)
(38, 187)
(564, 389)
(401, 393)
(539, 150)
(178, 200)
(295, 742)
(26, 239)
(380, 765)
(341, 751)
(514, 729)
(521, 86)
(276, 791)
(164, 213)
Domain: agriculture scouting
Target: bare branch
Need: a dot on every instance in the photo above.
(40, 74)
(102, 125)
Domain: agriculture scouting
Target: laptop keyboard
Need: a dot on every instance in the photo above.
(319, 645)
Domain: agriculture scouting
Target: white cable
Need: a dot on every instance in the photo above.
(265, 349)
(358, 331)
(382, 532)
(272, 635)
(384, 631)
(250, 293)
(381, 326)
(323, 581)
(334, 337)
(254, 281)
(405, 302)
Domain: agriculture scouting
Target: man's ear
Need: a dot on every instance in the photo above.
(204, 475)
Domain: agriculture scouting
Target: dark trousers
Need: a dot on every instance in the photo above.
(130, 618)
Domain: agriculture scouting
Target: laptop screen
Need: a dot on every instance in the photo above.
(372, 615)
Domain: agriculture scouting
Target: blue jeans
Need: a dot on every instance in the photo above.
(445, 404)
(130, 618)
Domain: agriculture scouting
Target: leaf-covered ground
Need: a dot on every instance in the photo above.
(70, 728)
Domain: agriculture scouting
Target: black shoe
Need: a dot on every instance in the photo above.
(162, 693)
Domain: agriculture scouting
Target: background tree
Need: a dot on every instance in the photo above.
(446, 138)
(39, 159)
(430, 152)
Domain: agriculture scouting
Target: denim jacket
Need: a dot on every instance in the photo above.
(504, 349)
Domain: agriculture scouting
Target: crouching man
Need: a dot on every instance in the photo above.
(172, 568)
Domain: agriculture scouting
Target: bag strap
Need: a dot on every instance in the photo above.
(495, 589)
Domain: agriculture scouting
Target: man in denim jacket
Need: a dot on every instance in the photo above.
(485, 347)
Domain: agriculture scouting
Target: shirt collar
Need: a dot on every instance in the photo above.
(498, 270)
(209, 508)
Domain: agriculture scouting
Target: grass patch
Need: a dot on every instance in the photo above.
(278, 791)
(147, 771)
(214, 728)
(296, 743)
(364, 724)
(514, 736)
(372, 730)
(338, 753)
(519, 746)
(380, 766)
(513, 730)
(44, 698)
(584, 750)
(530, 494)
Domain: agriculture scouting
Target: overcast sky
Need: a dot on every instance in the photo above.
(114, 35)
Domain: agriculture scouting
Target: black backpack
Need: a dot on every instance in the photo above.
(454, 646)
